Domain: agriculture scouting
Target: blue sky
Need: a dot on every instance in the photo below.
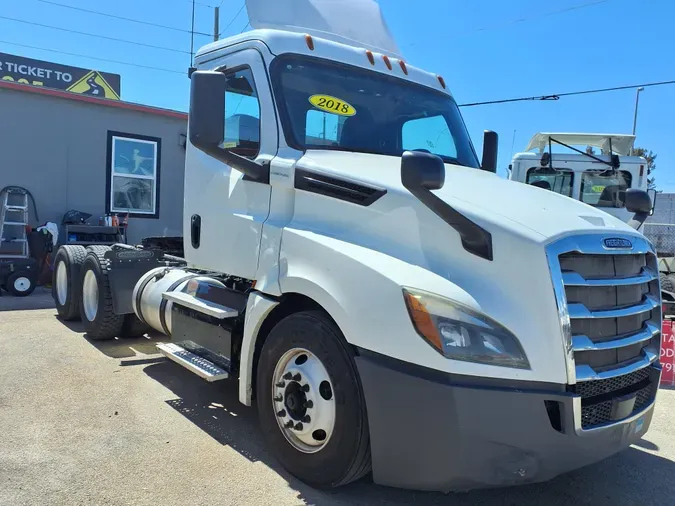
(485, 49)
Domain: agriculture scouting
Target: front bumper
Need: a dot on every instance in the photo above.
(432, 431)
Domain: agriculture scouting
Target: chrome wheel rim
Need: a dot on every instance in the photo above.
(90, 295)
(303, 400)
(22, 284)
(61, 283)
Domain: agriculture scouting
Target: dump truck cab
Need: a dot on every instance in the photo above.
(564, 164)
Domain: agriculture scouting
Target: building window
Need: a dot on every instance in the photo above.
(133, 175)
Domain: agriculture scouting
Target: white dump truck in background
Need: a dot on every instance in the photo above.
(561, 164)
(389, 303)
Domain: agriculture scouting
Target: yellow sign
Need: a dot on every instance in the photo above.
(598, 188)
(95, 85)
(332, 105)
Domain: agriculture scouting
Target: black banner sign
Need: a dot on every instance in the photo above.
(61, 77)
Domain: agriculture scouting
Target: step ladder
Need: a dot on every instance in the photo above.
(13, 221)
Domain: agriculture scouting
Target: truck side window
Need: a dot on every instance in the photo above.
(601, 189)
(242, 114)
(430, 134)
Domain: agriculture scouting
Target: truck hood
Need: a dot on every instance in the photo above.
(479, 195)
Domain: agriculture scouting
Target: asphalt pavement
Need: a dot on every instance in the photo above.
(114, 423)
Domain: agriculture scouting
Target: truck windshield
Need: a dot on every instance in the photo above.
(325, 105)
(557, 180)
(601, 189)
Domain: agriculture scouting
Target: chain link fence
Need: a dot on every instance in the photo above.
(660, 228)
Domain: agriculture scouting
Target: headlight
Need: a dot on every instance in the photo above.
(461, 333)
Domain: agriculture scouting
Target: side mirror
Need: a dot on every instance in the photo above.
(207, 110)
(652, 196)
(422, 170)
(206, 125)
(490, 145)
(638, 202)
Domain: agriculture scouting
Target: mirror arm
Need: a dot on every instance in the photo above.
(253, 170)
(475, 239)
(637, 220)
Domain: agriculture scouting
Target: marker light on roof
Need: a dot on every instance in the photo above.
(386, 61)
(310, 42)
(403, 67)
(442, 81)
(370, 56)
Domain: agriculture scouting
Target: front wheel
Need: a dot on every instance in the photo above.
(311, 406)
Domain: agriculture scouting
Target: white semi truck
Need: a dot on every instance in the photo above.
(597, 178)
(388, 302)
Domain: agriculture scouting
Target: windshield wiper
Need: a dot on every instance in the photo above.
(614, 161)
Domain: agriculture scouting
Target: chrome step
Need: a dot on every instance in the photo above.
(16, 223)
(203, 306)
(15, 208)
(200, 366)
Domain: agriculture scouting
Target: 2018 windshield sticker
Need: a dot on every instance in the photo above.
(332, 104)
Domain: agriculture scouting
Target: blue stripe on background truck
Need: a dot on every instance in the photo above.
(388, 302)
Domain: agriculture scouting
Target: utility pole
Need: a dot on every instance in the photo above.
(216, 23)
(192, 35)
(637, 101)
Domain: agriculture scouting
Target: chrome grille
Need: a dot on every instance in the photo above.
(610, 311)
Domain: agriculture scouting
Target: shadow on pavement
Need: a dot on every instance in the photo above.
(41, 298)
(630, 478)
(120, 347)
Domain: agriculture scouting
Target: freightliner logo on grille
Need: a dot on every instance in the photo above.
(617, 243)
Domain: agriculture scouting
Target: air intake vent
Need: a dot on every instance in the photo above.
(330, 186)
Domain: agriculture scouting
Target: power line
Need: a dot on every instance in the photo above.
(543, 15)
(92, 57)
(93, 35)
(201, 3)
(50, 2)
(556, 96)
(245, 27)
(232, 20)
(526, 18)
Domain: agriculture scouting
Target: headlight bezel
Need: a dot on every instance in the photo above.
(431, 313)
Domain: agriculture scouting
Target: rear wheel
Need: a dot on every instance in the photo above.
(20, 283)
(96, 307)
(312, 410)
(65, 281)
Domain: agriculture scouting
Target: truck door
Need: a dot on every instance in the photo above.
(224, 210)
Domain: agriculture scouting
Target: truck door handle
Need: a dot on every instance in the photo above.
(195, 230)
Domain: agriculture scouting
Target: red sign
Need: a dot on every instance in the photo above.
(667, 353)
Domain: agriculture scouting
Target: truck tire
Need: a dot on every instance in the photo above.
(310, 402)
(133, 327)
(66, 281)
(96, 306)
(21, 283)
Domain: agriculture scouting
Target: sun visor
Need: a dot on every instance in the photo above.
(355, 22)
